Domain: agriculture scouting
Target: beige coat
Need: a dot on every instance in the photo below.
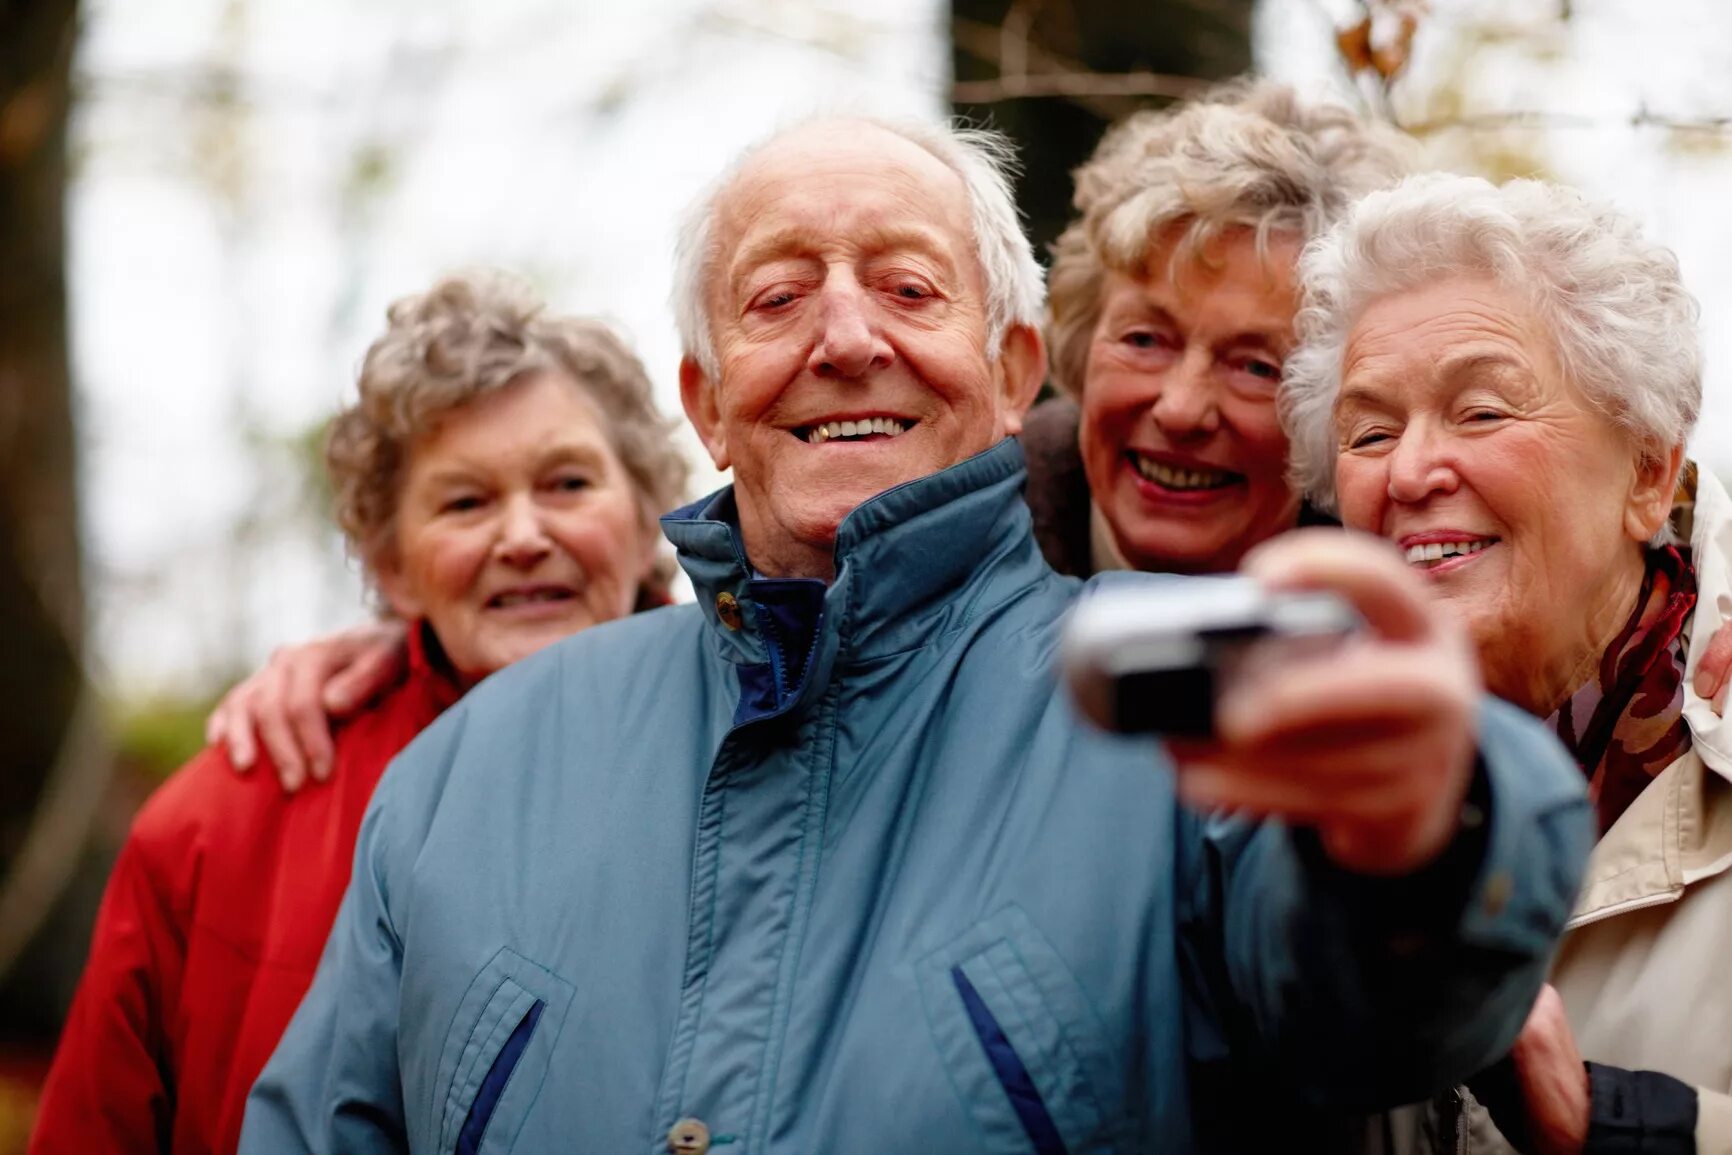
(1645, 970)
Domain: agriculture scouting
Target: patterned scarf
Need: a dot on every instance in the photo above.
(1627, 724)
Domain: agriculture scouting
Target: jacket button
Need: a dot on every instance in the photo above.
(689, 1136)
(728, 609)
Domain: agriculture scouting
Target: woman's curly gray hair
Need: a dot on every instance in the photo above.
(467, 336)
(1247, 155)
(1623, 326)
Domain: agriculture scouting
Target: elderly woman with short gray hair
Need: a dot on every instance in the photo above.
(1501, 381)
(499, 478)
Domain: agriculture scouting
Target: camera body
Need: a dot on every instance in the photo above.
(1152, 658)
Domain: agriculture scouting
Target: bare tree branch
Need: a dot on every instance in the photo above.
(1076, 84)
(1641, 118)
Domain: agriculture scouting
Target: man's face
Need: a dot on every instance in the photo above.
(848, 309)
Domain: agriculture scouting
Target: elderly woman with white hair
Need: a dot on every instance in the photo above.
(1501, 381)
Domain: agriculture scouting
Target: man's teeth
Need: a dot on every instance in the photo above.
(889, 426)
(504, 601)
(1438, 550)
(1171, 478)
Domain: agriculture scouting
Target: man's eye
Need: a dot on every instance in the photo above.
(463, 504)
(1143, 339)
(573, 483)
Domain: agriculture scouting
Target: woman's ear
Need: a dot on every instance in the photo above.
(1021, 369)
(698, 393)
(394, 585)
(1652, 491)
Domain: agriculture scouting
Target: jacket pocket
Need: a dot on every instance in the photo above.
(496, 1054)
(1023, 1046)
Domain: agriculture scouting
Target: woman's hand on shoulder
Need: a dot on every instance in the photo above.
(288, 705)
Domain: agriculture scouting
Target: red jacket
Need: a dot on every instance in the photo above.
(208, 936)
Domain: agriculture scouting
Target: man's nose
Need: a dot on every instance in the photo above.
(523, 539)
(850, 342)
(1419, 467)
(1186, 407)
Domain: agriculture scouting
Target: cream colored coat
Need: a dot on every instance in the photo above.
(1645, 970)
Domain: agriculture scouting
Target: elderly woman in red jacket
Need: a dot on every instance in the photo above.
(500, 478)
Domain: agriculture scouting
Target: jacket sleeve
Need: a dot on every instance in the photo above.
(332, 1085)
(1361, 992)
(109, 1089)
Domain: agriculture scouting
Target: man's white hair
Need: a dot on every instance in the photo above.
(986, 162)
(1622, 324)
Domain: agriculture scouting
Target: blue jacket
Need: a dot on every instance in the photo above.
(841, 871)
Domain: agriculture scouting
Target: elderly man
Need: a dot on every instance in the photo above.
(826, 863)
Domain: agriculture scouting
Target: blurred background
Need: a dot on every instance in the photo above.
(206, 205)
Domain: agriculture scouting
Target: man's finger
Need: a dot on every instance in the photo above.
(243, 751)
(301, 702)
(1359, 686)
(372, 671)
(279, 742)
(1368, 572)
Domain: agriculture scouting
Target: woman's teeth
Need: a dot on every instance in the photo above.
(1434, 552)
(1169, 477)
(888, 426)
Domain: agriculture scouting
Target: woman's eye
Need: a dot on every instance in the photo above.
(1367, 439)
(911, 292)
(774, 300)
(1144, 339)
(1263, 370)
(1485, 415)
(463, 504)
(571, 484)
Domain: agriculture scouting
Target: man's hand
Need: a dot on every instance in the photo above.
(1371, 744)
(1712, 671)
(289, 703)
(1553, 1080)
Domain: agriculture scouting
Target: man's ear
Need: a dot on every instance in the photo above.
(1652, 491)
(1021, 369)
(704, 410)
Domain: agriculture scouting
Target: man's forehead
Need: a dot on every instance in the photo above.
(827, 168)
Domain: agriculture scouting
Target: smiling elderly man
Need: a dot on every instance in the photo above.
(825, 863)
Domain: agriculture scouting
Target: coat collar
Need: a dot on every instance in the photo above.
(909, 562)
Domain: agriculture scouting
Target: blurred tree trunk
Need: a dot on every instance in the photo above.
(1055, 73)
(41, 594)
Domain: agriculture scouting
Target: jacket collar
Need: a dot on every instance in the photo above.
(909, 562)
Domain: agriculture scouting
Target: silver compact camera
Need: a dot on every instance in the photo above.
(1153, 658)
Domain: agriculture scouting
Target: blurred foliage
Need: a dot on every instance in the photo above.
(154, 738)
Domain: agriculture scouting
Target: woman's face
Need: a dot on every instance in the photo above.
(1184, 455)
(516, 526)
(1461, 440)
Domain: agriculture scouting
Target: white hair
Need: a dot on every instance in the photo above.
(1623, 326)
(986, 162)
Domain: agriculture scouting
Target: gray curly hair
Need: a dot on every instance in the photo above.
(986, 162)
(1623, 325)
(1248, 154)
(467, 336)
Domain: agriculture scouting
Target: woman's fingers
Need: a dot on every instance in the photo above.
(1714, 671)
